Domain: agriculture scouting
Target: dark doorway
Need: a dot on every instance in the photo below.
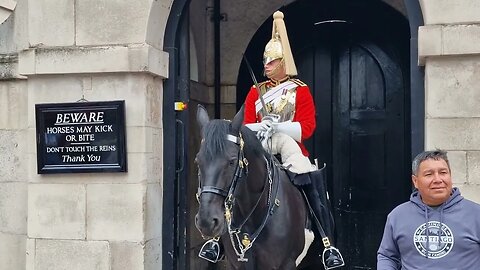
(358, 73)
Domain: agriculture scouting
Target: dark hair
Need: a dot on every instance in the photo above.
(436, 155)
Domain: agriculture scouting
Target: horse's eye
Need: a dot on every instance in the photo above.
(232, 162)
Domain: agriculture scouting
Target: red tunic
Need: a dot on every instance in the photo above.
(304, 111)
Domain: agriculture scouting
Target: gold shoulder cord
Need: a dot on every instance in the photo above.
(263, 87)
(299, 82)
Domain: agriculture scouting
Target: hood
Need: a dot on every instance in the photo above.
(455, 198)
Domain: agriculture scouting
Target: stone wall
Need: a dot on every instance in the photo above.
(13, 173)
(449, 48)
(13, 142)
(64, 51)
(100, 50)
(98, 220)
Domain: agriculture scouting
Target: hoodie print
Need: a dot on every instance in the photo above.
(433, 239)
(419, 237)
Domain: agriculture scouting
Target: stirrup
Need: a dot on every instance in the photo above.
(332, 258)
(211, 251)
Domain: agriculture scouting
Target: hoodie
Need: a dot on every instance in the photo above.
(419, 237)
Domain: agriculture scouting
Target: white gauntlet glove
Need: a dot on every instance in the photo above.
(265, 129)
(292, 129)
(268, 121)
(270, 125)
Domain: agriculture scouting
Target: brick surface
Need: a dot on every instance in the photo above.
(453, 87)
(72, 255)
(56, 211)
(13, 208)
(12, 251)
(116, 212)
(51, 22)
(450, 12)
(452, 134)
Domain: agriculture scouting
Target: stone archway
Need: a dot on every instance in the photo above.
(234, 41)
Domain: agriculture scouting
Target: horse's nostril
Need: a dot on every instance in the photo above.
(215, 222)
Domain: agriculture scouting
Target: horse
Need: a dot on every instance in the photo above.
(245, 199)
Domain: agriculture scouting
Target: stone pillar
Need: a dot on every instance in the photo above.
(13, 167)
(97, 221)
(449, 48)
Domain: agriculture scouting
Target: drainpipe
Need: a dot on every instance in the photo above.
(216, 55)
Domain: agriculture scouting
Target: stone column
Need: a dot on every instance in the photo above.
(449, 48)
(13, 168)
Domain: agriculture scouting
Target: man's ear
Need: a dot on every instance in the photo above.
(414, 180)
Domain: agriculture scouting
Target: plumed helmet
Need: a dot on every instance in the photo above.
(273, 50)
(279, 47)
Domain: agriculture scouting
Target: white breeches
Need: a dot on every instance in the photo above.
(292, 157)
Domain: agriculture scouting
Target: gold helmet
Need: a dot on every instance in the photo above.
(273, 50)
(279, 47)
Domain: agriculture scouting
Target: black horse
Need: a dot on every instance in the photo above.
(246, 200)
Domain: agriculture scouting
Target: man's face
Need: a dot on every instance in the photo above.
(275, 69)
(433, 181)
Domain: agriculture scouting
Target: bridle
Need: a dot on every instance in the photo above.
(242, 241)
(240, 170)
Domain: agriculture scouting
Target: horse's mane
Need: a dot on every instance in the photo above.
(253, 145)
(215, 132)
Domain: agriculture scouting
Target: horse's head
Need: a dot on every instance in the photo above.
(217, 161)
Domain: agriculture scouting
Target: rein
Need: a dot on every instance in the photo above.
(242, 241)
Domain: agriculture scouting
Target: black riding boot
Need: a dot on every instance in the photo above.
(211, 251)
(320, 210)
(323, 220)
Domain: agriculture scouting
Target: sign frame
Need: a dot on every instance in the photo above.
(68, 120)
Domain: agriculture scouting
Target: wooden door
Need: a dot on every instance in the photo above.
(359, 93)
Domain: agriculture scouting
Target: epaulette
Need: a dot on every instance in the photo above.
(263, 87)
(298, 82)
(262, 84)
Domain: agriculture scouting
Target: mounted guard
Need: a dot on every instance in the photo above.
(282, 113)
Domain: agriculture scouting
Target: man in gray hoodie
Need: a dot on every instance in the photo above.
(437, 229)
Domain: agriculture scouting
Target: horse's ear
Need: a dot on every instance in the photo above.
(202, 117)
(237, 121)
